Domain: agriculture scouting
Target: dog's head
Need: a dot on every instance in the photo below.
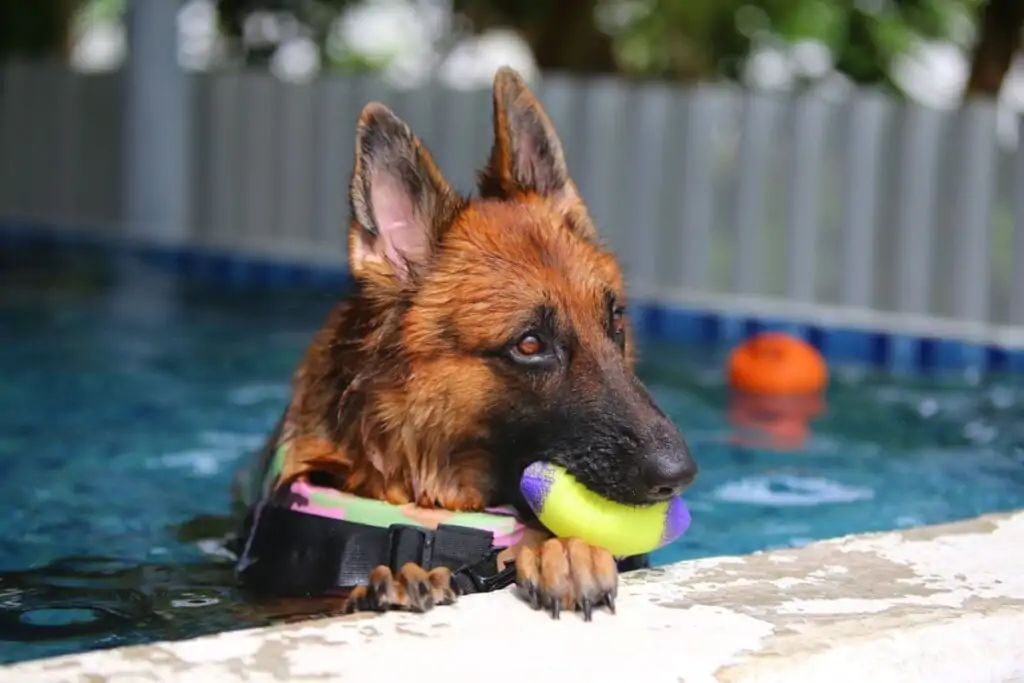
(514, 327)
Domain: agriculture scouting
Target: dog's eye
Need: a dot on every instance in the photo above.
(530, 345)
(619, 321)
(532, 350)
(618, 326)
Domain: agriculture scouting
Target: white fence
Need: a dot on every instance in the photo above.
(867, 203)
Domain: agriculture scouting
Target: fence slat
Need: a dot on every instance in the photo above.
(297, 141)
(604, 102)
(338, 108)
(66, 135)
(561, 96)
(260, 170)
(697, 193)
(809, 122)
(7, 123)
(642, 175)
(1017, 261)
(973, 214)
(45, 91)
(863, 146)
(759, 118)
(461, 151)
(915, 212)
(13, 142)
(17, 93)
(430, 110)
(200, 174)
(225, 160)
(103, 163)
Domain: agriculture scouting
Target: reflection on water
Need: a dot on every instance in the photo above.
(87, 603)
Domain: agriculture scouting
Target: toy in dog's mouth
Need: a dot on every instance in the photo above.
(568, 509)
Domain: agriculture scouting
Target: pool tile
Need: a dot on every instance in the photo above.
(1015, 360)
(686, 326)
(948, 354)
(731, 329)
(902, 354)
(996, 359)
(856, 346)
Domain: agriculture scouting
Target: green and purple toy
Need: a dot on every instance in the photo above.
(569, 509)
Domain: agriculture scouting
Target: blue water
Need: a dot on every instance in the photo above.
(128, 398)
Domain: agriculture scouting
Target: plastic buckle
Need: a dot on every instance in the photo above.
(485, 578)
(423, 556)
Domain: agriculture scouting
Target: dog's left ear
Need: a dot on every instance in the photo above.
(399, 201)
(526, 156)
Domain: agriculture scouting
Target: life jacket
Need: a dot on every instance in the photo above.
(308, 540)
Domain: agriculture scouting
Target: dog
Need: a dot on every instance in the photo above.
(482, 334)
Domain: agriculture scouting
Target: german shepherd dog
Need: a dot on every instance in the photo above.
(482, 335)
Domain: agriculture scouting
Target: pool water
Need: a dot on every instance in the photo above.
(129, 398)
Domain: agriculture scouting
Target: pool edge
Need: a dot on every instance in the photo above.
(942, 602)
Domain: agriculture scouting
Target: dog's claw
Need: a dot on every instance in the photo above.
(379, 599)
(354, 601)
(530, 594)
(413, 589)
(609, 600)
(420, 599)
(566, 573)
(588, 609)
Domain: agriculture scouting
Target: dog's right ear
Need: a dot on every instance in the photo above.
(398, 198)
(526, 155)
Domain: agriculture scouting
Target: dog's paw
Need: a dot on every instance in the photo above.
(567, 574)
(414, 589)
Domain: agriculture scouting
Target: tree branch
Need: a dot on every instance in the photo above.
(999, 38)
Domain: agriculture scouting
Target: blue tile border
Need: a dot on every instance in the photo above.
(204, 265)
(897, 353)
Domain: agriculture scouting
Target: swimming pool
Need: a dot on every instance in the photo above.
(130, 396)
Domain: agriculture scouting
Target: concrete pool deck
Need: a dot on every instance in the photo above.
(940, 603)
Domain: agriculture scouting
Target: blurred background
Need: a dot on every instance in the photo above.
(931, 51)
(172, 231)
(228, 125)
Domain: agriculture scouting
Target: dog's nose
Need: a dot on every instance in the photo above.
(667, 472)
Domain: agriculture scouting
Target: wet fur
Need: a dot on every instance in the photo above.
(408, 394)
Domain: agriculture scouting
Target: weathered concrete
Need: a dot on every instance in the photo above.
(931, 604)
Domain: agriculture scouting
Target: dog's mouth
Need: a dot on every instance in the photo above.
(624, 491)
(625, 478)
(621, 467)
(611, 481)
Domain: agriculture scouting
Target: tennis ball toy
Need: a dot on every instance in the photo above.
(570, 510)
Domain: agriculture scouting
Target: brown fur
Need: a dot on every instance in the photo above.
(391, 425)
(391, 400)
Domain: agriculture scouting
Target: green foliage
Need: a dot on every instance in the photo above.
(678, 39)
(710, 38)
(93, 12)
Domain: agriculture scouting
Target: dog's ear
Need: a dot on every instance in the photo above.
(526, 156)
(398, 198)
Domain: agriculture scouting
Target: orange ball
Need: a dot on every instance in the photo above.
(777, 363)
